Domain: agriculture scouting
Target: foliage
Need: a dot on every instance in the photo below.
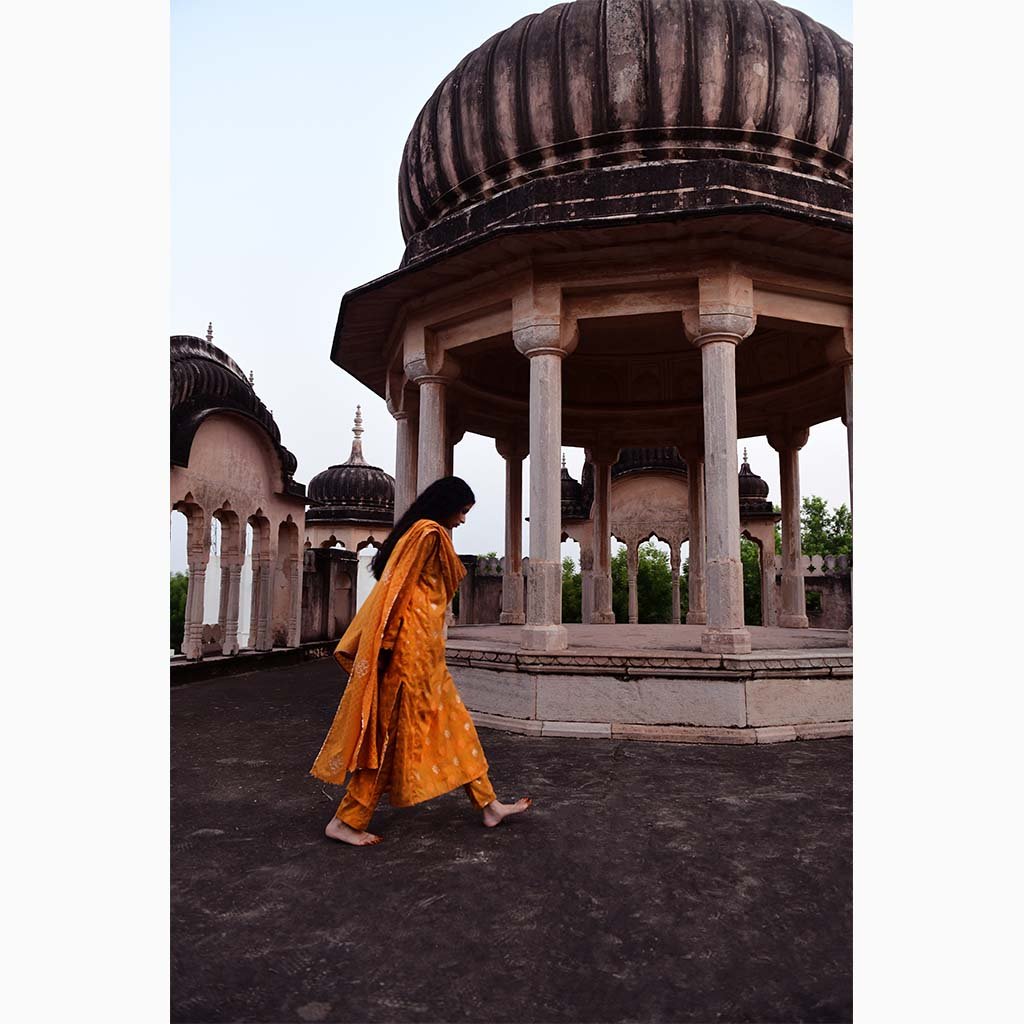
(750, 556)
(653, 586)
(179, 593)
(824, 532)
(572, 591)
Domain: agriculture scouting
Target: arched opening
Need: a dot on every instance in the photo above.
(245, 589)
(365, 580)
(228, 551)
(287, 591)
(654, 580)
(572, 580)
(179, 578)
(751, 555)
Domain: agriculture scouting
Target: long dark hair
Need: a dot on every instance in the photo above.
(440, 501)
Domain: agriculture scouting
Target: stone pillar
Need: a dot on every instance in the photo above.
(233, 584)
(586, 583)
(254, 603)
(467, 591)
(602, 459)
(512, 608)
(793, 613)
(724, 319)
(265, 604)
(540, 343)
(673, 558)
(632, 565)
(198, 558)
(696, 609)
(406, 457)
(295, 602)
(433, 435)
(848, 420)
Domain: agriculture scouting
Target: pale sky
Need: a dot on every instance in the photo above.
(287, 128)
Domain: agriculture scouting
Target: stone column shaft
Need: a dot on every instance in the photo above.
(295, 603)
(406, 457)
(602, 613)
(192, 645)
(696, 610)
(234, 583)
(433, 434)
(544, 629)
(632, 565)
(725, 631)
(673, 558)
(586, 584)
(848, 420)
(265, 608)
(793, 612)
(512, 610)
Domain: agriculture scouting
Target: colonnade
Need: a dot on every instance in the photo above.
(722, 320)
(269, 561)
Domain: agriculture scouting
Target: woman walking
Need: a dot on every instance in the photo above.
(401, 727)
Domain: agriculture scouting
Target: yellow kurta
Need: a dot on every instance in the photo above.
(412, 705)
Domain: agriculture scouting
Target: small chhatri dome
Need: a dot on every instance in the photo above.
(355, 491)
(753, 491)
(572, 496)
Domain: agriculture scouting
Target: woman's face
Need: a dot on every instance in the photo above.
(458, 518)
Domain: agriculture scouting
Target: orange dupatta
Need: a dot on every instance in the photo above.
(358, 735)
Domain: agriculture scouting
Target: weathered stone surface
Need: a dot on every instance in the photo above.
(645, 701)
(785, 701)
(775, 734)
(498, 693)
(584, 730)
(683, 734)
(823, 730)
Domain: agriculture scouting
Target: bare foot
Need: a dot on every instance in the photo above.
(495, 812)
(337, 829)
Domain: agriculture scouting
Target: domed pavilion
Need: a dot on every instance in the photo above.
(353, 503)
(628, 223)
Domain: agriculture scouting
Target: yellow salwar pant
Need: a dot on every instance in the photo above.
(357, 811)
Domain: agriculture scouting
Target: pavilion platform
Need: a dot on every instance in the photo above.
(653, 682)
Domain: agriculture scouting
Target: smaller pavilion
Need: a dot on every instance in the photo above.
(649, 498)
(351, 504)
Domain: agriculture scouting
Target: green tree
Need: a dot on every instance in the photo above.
(750, 556)
(179, 593)
(653, 586)
(572, 591)
(825, 532)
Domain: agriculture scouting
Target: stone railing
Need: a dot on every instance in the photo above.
(827, 565)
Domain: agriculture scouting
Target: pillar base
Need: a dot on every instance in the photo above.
(229, 650)
(512, 618)
(789, 621)
(544, 638)
(696, 618)
(725, 641)
(602, 618)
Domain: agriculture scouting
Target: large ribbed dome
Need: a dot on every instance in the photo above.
(643, 107)
(353, 491)
(206, 380)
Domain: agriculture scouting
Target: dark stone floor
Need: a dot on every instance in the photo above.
(651, 882)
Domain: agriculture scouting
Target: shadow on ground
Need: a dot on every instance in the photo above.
(651, 882)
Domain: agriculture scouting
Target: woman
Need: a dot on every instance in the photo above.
(401, 727)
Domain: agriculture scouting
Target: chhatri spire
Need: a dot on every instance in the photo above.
(744, 456)
(209, 332)
(356, 458)
(563, 460)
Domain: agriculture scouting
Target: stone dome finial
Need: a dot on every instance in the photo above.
(209, 332)
(252, 380)
(563, 460)
(356, 458)
(744, 456)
